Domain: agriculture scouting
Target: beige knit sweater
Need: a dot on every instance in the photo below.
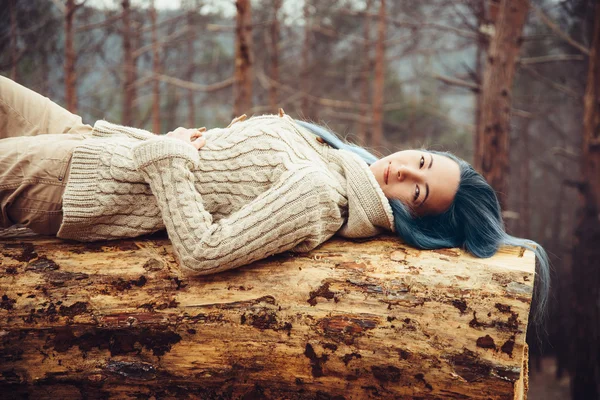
(257, 188)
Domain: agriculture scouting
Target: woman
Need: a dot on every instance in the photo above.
(256, 188)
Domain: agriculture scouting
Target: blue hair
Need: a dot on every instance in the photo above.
(473, 221)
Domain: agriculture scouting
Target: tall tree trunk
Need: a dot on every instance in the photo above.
(586, 274)
(191, 117)
(13, 39)
(155, 72)
(366, 74)
(244, 59)
(129, 72)
(273, 95)
(305, 74)
(525, 209)
(493, 11)
(479, 11)
(70, 75)
(494, 122)
(378, 88)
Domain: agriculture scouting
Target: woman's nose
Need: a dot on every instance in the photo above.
(405, 173)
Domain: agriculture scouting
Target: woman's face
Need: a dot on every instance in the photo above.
(426, 183)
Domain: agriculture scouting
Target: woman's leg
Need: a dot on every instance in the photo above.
(33, 175)
(34, 169)
(24, 112)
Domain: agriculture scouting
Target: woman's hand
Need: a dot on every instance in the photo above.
(191, 136)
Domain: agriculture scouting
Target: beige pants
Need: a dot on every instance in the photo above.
(37, 138)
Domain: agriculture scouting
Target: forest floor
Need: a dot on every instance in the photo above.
(544, 386)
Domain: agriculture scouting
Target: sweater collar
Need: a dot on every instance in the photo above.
(369, 211)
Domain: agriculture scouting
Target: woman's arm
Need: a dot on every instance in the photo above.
(104, 128)
(299, 210)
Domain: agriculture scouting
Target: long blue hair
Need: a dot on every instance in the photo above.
(473, 221)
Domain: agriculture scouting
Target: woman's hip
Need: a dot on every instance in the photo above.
(33, 175)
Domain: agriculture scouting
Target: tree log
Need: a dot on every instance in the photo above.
(350, 320)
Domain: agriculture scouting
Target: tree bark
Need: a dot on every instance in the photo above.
(378, 88)
(349, 320)
(70, 58)
(586, 252)
(244, 58)
(273, 90)
(494, 122)
(12, 5)
(191, 120)
(525, 174)
(479, 11)
(155, 72)
(366, 75)
(305, 69)
(129, 67)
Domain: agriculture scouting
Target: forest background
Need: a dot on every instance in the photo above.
(511, 86)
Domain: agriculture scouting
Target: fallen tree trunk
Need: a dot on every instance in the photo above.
(349, 320)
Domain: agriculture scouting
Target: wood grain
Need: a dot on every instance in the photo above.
(350, 320)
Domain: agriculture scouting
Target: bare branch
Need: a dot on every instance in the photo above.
(319, 100)
(550, 82)
(101, 24)
(60, 6)
(414, 24)
(458, 82)
(220, 28)
(231, 28)
(555, 28)
(283, 103)
(345, 116)
(551, 58)
(166, 40)
(168, 21)
(567, 152)
(192, 85)
(523, 113)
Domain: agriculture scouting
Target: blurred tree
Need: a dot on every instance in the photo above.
(244, 59)
(70, 56)
(365, 84)
(191, 67)
(491, 155)
(586, 253)
(14, 55)
(305, 73)
(155, 71)
(274, 50)
(379, 81)
(129, 67)
(24, 53)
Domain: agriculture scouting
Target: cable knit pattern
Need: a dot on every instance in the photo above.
(257, 188)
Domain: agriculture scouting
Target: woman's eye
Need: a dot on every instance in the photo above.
(422, 162)
(417, 192)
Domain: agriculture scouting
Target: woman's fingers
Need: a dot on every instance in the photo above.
(193, 136)
(196, 133)
(199, 143)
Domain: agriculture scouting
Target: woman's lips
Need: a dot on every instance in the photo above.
(386, 173)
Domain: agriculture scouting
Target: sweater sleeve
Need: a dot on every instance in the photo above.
(104, 128)
(298, 212)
